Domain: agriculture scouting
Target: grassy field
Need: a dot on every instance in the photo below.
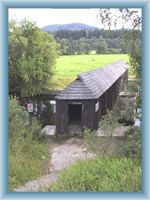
(68, 67)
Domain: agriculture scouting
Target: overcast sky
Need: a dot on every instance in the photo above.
(47, 16)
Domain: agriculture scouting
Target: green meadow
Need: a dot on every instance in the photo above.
(68, 67)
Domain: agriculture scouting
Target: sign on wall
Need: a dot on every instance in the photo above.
(30, 107)
(53, 104)
(97, 106)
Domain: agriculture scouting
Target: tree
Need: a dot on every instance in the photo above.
(101, 47)
(112, 17)
(32, 56)
(64, 46)
(84, 47)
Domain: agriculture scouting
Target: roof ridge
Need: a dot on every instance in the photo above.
(92, 84)
(87, 86)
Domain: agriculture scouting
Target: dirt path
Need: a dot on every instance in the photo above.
(61, 156)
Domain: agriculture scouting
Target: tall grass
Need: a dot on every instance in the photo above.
(26, 161)
(104, 174)
(27, 150)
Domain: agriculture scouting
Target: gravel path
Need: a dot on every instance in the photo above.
(61, 155)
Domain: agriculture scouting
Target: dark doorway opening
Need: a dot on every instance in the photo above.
(75, 114)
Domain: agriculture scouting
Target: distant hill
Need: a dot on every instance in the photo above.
(72, 26)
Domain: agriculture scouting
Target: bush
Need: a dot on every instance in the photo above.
(109, 123)
(47, 115)
(132, 87)
(19, 122)
(35, 131)
(129, 145)
(105, 144)
(114, 51)
(102, 145)
(18, 118)
(132, 143)
(92, 141)
(103, 174)
(124, 110)
(26, 153)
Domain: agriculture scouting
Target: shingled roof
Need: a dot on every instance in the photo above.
(93, 84)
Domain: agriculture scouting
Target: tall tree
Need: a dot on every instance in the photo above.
(32, 56)
(101, 47)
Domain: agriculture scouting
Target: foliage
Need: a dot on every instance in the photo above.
(26, 152)
(101, 47)
(32, 56)
(104, 174)
(26, 160)
(136, 57)
(84, 48)
(113, 51)
(106, 143)
(18, 118)
(124, 110)
(108, 123)
(132, 87)
(132, 143)
(76, 35)
(47, 116)
(64, 47)
(68, 67)
(111, 19)
(102, 145)
(84, 41)
(102, 141)
(19, 121)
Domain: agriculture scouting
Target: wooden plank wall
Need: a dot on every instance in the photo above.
(90, 118)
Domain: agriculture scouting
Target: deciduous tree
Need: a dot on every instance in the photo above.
(32, 56)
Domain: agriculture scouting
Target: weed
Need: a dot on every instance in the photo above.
(27, 151)
(104, 174)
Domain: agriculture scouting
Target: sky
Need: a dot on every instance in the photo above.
(44, 17)
(48, 16)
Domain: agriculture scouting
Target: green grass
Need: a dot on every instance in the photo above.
(104, 174)
(68, 67)
(27, 160)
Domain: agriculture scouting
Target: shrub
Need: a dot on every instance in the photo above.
(132, 143)
(124, 110)
(18, 118)
(109, 123)
(129, 145)
(19, 122)
(47, 115)
(92, 141)
(35, 131)
(26, 153)
(105, 144)
(103, 174)
(132, 87)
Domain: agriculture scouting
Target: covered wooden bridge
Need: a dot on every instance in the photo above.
(85, 100)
